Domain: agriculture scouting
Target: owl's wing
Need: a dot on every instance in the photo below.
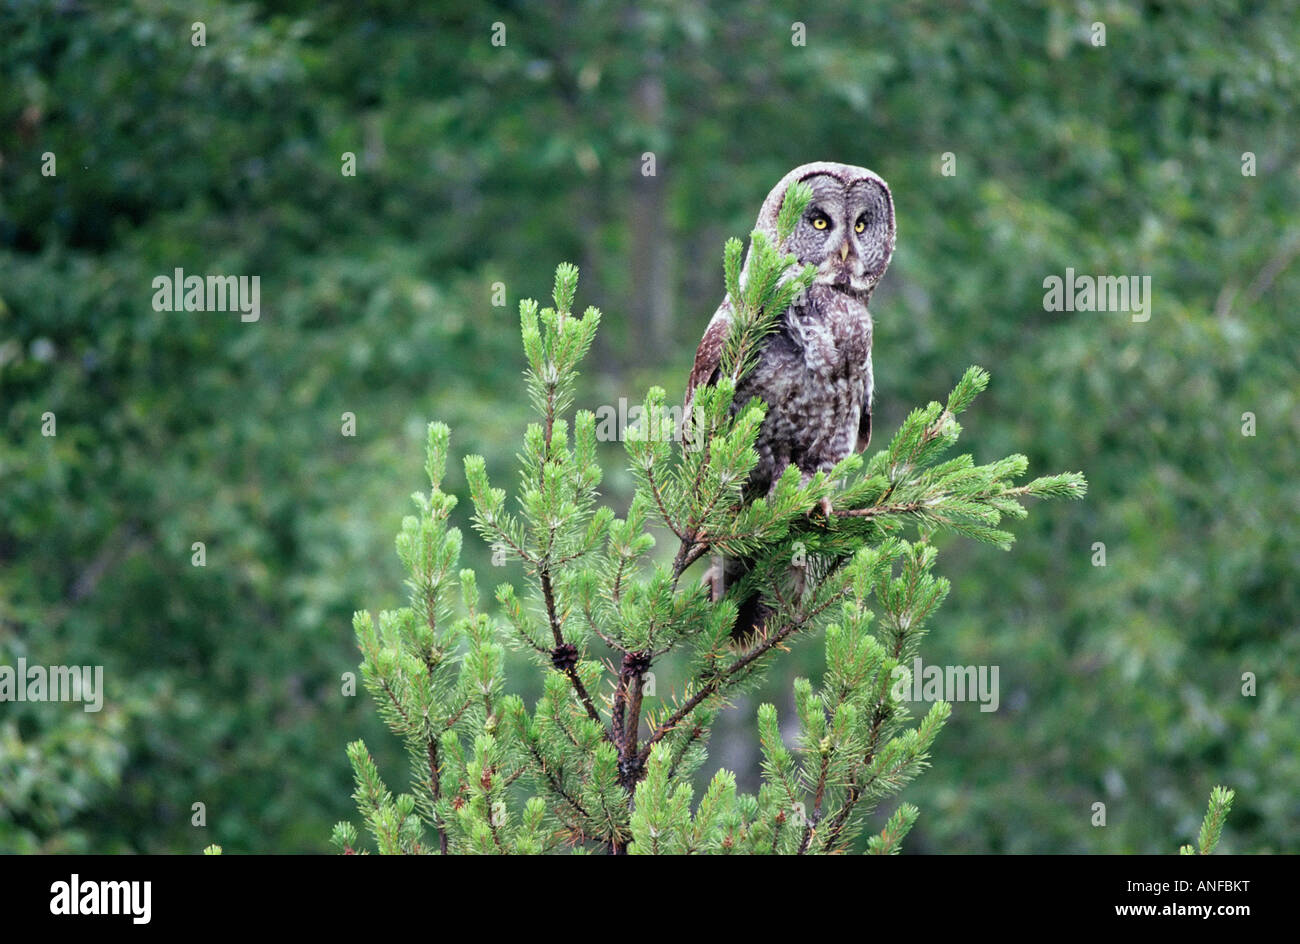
(864, 423)
(708, 356)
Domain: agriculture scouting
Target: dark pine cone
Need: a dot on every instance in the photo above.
(636, 663)
(564, 656)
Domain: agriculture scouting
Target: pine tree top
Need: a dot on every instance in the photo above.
(598, 763)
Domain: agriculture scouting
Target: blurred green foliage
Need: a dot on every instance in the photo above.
(479, 164)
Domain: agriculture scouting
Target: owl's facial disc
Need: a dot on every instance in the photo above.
(846, 232)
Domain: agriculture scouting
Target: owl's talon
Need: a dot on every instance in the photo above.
(824, 506)
(713, 580)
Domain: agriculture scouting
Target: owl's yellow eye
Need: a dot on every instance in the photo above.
(820, 222)
(860, 226)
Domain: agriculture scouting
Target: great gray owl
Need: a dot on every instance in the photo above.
(814, 371)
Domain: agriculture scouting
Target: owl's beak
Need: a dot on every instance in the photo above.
(844, 251)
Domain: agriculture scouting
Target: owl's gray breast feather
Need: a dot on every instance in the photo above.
(814, 374)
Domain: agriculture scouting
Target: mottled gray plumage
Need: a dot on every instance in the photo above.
(814, 371)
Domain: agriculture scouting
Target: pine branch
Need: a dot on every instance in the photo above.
(890, 839)
(737, 668)
(1212, 826)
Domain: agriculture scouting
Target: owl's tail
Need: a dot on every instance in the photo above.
(753, 613)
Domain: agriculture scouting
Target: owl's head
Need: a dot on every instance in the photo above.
(847, 230)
